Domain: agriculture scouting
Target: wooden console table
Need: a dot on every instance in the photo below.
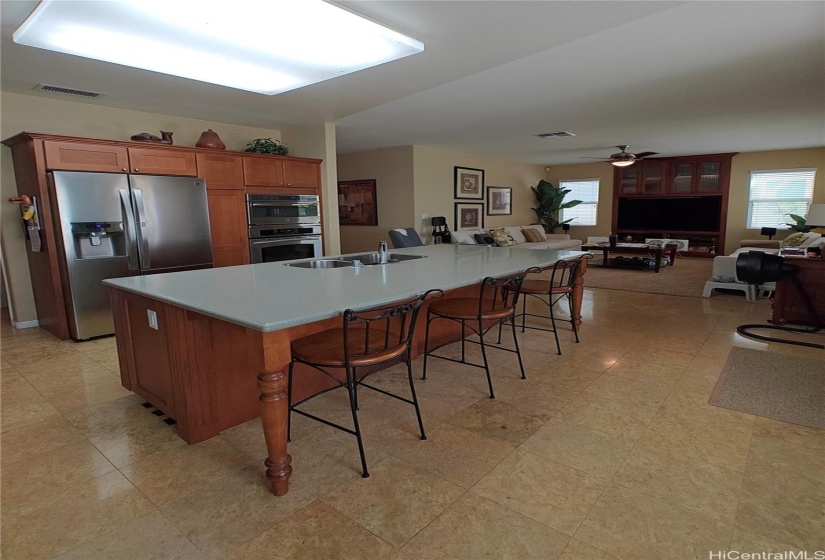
(787, 304)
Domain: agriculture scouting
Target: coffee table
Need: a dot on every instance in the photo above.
(634, 249)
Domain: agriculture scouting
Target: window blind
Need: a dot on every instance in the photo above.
(586, 190)
(775, 194)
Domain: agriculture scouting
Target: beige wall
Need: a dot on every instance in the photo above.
(38, 114)
(604, 214)
(743, 164)
(434, 186)
(392, 169)
(318, 141)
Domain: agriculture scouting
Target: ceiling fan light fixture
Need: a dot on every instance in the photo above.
(217, 43)
(623, 162)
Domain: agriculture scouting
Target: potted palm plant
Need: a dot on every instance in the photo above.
(550, 200)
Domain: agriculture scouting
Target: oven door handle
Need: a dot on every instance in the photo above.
(277, 204)
(286, 239)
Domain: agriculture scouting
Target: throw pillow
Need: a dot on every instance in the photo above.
(502, 237)
(462, 238)
(484, 239)
(793, 240)
(533, 235)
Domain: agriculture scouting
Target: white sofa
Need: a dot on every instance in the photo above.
(724, 269)
(552, 240)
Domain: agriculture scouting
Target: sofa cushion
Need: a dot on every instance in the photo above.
(463, 237)
(794, 240)
(515, 233)
(533, 235)
(502, 237)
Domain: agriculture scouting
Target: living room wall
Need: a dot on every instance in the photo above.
(743, 164)
(40, 114)
(434, 185)
(392, 169)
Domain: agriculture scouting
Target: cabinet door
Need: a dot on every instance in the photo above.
(709, 177)
(263, 171)
(301, 174)
(653, 177)
(683, 175)
(160, 161)
(77, 156)
(227, 220)
(221, 171)
(628, 179)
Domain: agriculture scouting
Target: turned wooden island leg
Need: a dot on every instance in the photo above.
(578, 294)
(274, 411)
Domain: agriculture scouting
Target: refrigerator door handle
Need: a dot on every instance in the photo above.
(140, 215)
(140, 212)
(129, 229)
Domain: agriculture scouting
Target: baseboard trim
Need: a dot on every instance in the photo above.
(25, 324)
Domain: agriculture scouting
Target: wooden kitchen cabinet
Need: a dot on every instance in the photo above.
(220, 170)
(700, 174)
(279, 171)
(83, 156)
(228, 222)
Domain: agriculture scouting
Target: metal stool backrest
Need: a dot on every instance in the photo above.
(563, 274)
(387, 331)
(399, 240)
(500, 295)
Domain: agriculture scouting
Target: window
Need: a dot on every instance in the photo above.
(775, 194)
(586, 190)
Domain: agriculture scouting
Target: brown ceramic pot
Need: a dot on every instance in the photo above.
(210, 139)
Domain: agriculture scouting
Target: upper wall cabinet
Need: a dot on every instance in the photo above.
(82, 156)
(221, 170)
(683, 176)
(279, 171)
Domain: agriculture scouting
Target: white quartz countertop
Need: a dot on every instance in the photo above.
(271, 296)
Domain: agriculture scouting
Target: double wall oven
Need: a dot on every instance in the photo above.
(283, 227)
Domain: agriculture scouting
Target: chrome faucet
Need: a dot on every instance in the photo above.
(382, 252)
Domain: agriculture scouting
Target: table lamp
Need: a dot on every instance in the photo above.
(769, 231)
(815, 218)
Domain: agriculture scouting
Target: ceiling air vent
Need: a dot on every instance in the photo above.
(68, 91)
(559, 134)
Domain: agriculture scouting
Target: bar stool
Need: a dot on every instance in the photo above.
(366, 342)
(495, 305)
(560, 285)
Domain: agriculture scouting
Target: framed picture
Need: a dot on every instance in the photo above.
(469, 215)
(469, 183)
(357, 203)
(498, 201)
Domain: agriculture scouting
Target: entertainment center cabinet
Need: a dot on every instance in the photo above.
(680, 198)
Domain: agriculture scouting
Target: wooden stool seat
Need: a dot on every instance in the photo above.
(467, 308)
(326, 348)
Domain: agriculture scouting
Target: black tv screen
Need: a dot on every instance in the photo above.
(701, 213)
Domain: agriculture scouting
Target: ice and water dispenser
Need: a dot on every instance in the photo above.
(98, 239)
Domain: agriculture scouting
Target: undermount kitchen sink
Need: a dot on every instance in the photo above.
(368, 259)
(322, 263)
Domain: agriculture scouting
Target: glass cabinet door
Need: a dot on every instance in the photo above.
(682, 178)
(629, 180)
(653, 177)
(709, 177)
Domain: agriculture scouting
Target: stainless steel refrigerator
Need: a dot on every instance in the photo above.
(114, 225)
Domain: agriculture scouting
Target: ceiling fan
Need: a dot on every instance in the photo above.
(625, 158)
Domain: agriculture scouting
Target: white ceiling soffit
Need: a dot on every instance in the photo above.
(671, 77)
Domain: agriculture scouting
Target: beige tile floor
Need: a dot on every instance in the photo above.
(608, 451)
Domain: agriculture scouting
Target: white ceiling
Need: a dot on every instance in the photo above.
(671, 77)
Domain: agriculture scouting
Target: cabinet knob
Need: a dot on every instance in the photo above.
(125, 170)
(137, 169)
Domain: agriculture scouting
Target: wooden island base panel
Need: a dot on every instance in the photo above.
(210, 374)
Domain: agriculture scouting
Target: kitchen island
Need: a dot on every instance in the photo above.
(211, 348)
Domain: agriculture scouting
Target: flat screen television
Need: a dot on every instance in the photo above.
(701, 213)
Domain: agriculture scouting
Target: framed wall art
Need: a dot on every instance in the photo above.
(498, 201)
(469, 183)
(357, 203)
(469, 215)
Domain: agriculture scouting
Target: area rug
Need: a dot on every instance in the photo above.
(686, 278)
(779, 386)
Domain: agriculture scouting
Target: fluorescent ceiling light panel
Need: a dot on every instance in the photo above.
(267, 47)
